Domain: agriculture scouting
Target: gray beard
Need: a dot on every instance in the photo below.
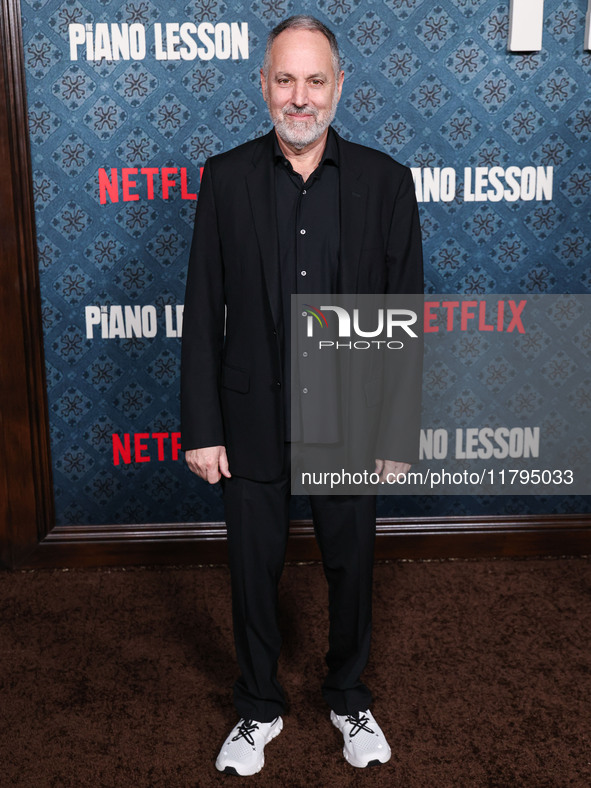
(299, 139)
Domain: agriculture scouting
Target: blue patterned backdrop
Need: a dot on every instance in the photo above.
(431, 84)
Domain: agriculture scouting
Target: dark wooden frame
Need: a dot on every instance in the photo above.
(28, 535)
(417, 538)
(25, 473)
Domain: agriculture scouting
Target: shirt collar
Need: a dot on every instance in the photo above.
(330, 155)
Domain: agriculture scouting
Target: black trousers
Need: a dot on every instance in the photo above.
(257, 520)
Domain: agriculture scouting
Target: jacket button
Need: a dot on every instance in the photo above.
(278, 384)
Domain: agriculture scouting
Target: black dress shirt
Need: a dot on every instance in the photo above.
(308, 231)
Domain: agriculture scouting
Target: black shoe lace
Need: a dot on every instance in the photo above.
(245, 730)
(358, 723)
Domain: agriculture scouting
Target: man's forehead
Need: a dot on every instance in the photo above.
(297, 41)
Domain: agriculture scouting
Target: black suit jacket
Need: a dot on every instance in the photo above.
(231, 387)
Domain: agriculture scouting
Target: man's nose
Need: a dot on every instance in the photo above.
(300, 94)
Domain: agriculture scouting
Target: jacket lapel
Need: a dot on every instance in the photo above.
(353, 194)
(260, 183)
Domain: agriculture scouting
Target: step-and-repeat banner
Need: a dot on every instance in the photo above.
(127, 99)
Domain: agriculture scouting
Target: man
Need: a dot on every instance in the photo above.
(299, 209)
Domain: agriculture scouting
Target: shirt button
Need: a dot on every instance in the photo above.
(305, 354)
(302, 232)
(304, 391)
(303, 273)
(304, 192)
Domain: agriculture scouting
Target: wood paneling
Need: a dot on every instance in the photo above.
(24, 447)
(205, 543)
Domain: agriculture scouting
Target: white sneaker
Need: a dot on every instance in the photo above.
(243, 751)
(365, 743)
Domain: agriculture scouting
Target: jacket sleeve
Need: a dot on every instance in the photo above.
(400, 421)
(404, 254)
(203, 327)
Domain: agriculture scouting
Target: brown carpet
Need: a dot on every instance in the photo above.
(481, 672)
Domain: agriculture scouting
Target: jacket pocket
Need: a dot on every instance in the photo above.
(235, 379)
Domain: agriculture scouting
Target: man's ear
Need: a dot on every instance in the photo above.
(263, 85)
(340, 82)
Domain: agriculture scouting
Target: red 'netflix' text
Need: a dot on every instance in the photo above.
(145, 447)
(157, 180)
(486, 316)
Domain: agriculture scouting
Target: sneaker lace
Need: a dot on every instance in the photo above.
(358, 723)
(245, 730)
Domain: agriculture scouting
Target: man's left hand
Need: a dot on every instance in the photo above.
(391, 468)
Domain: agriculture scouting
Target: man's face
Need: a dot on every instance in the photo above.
(301, 89)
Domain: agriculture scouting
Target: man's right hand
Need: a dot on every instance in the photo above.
(210, 463)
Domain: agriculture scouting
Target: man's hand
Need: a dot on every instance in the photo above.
(210, 463)
(391, 468)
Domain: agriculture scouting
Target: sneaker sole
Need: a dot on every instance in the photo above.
(359, 765)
